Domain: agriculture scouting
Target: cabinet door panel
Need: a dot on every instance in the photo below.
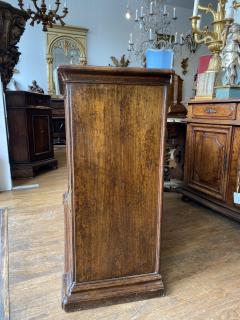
(208, 159)
(40, 134)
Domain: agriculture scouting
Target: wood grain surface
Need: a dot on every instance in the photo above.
(115, 120)
(200, 259)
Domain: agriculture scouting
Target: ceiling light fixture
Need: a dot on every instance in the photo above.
(47, 17)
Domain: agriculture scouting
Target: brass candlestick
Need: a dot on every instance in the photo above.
(214, 38)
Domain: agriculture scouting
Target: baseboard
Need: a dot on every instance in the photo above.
(4, 285)
(78, 297)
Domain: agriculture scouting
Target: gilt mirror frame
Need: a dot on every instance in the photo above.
(64, 37)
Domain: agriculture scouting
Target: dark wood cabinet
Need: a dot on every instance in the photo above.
(212, 154)
(116, 123)
(30, 133)
(58, 120)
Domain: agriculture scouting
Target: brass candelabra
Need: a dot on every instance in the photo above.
(43, 15)
(214, 39)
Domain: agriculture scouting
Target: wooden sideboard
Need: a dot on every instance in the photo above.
(212, 163)
(115, 124)
(30, 133)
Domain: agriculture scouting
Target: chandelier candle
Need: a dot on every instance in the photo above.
(165, 10)
(136, 17)
(195, 8)
(151, 8)
(174, 13)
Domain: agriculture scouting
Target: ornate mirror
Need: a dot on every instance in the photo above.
(65, 45)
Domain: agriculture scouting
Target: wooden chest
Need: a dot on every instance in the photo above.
(115, 124)
(212, 166)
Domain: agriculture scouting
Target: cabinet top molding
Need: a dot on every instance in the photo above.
(216, 101)
(75, 73)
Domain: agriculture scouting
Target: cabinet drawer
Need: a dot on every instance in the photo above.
(38, 100)
(215, 111)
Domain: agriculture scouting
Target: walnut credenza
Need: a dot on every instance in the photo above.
(212, 162)
(30, 133)
(115, 125)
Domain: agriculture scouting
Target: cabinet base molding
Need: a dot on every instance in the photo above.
(29, 170)
(210, 203)
(82, 296)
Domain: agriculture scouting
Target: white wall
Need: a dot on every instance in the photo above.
(108, 35)
(5, 175)
(236, 13)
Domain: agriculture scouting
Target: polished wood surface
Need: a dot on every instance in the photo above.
(30, 133)
(200, 259)
(212, 165)
(4, 289)
(116, 122)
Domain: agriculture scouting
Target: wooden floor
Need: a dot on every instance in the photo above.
(200, 261)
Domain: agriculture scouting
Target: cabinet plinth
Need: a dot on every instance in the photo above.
(115, 126)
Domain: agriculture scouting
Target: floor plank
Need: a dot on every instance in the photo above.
(200, 260)
(4, 293)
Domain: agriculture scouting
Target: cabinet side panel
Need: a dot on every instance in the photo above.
(116, 143)
(18, 138)
(234, 167)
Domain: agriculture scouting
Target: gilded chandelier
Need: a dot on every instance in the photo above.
(44, 15)
(212, 38)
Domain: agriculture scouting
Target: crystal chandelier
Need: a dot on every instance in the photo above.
(155, 28)
(42, 14)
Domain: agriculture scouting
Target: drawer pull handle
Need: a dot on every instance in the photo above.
(210, 111)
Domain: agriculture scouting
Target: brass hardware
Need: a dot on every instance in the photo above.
(210, 111)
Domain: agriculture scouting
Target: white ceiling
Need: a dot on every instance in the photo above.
(189, 3)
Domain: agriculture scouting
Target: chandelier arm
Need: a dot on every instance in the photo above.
(57, 6)
(36, 6)
(21, 5)
(208, 9)
(58, 17)
(198, 39)
(202, 37)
